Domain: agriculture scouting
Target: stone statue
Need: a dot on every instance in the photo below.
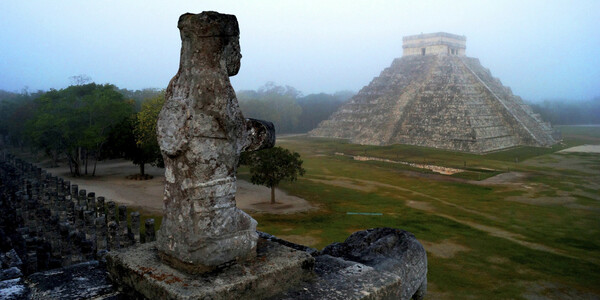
(201, 133)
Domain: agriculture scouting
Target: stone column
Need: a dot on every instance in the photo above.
(90, 229)
(111, 211)
(65, 241)
(81, 200)
(101, 233)
(201, 132)
(113, 235)
(91, 202)
(31, 262)
(101, 209)
(74, 191)
(135, 227)
(150, 231)
(123, 238)
(66, 186)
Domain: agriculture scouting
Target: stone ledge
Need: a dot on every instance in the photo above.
(276, 269)
(338, 278)
(378, 263)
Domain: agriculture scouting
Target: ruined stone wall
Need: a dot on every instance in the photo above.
(49, 223)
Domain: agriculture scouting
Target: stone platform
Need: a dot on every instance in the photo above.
(276, 269)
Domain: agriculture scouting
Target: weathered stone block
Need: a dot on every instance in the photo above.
(276, 269)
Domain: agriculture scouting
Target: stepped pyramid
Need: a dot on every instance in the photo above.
(437, 97)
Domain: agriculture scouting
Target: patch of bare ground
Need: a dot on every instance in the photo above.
(433, 292)
(504, 178)
(406, 192)
(499, 260)
(111, 182)
(587, 194)
(305, 240)
(349, 184)
(582, 149)
(565, 161)
(562, 198)
(444, 249)
(543, 290)
(583, 207)
(354, 229)
(420, 205)
(491, 230)
(256, 198)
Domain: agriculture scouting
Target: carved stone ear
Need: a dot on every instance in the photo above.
(259, 135)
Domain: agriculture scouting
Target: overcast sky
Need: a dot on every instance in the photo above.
(541, 49)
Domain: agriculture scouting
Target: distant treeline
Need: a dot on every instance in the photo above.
(288, 109)
(568, 112)
(84, 123)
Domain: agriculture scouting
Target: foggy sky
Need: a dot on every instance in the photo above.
(541, 49)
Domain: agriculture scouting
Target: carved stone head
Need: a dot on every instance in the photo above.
(220, 34)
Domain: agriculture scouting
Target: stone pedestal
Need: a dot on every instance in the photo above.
(276, 269)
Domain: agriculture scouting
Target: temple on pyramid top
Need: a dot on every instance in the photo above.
(439, 43)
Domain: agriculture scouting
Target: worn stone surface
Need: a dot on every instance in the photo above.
(380, 263)
(276, 269)
(10, 273)
(441, 101)
(86, 280)
(389, 250)
(201, 133)
(13, 289)
(11, 259)
(337, 278)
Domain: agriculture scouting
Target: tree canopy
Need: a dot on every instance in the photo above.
(145, 133)
(288, 109)
(76, 121)
(268, 167)
(565, 112)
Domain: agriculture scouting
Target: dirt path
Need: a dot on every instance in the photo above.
(493, 231)
(583, 149)
(111, 183)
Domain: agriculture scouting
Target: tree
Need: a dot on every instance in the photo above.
(319, 107)
(274, 103)
(268, 167)
(145, 133)
(285, 106)
(135, 137)
(80, 79)
(76, 121)
(15, 110)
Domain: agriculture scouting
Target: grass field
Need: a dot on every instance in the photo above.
(532, 231)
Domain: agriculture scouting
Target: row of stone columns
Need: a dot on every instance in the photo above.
(57, 224)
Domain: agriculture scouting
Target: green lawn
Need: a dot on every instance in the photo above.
(537, 234)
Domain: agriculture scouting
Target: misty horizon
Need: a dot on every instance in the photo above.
(541, 50)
